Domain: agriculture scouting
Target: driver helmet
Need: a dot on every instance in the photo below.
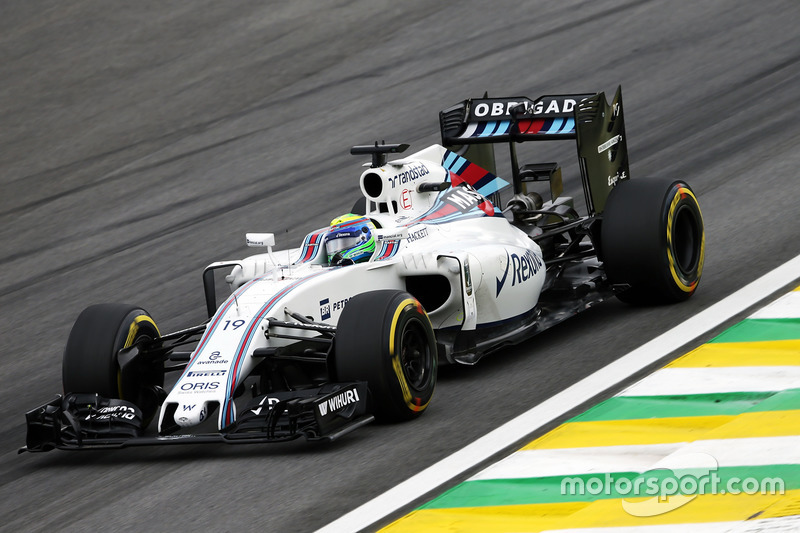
(350, 239)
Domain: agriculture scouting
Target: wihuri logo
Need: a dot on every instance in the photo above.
(337, 402)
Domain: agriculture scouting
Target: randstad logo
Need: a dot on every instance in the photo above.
(674, 481)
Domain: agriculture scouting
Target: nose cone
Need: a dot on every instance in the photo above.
(188, 414)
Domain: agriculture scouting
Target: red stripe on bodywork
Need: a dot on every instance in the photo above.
(530, 126)
(486, 207)
(473, 174)
(248, 337)
(389, 250)
(447, 209)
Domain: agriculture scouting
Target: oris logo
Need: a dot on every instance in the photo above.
(200, 385)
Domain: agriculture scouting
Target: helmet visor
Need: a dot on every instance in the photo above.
(340, 242)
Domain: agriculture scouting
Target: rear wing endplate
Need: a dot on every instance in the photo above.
(597, 126)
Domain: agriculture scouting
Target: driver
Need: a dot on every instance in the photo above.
(350, 240)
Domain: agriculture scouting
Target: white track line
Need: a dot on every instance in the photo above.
(716, 380)
(556, 406)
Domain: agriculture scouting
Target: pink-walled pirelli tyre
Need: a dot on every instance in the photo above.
(653, 240)
(90, 357)
(386, 339)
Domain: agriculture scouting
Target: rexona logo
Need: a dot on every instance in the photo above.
(522, 268)
(339, 401)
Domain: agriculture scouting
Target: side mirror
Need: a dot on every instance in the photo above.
(260, 240)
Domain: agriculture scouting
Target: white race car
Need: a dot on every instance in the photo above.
(318, 340)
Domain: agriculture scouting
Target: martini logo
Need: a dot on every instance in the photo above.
(463, 198)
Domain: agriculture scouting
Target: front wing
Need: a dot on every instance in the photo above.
(89, 421)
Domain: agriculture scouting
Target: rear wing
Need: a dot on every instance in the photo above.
(597, 127)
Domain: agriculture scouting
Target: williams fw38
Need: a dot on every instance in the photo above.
(428, 268)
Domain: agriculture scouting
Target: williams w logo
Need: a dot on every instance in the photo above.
(337, 402)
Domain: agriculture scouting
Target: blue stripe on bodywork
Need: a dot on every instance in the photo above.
(480, 129)
(493, 186)
(217, 319)
(488, 129)
(244, 343)
(449, 159)
(556, 126)
(569, 126)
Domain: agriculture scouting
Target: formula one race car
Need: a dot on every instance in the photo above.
(318, 340)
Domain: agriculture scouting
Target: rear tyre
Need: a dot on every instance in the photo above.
(90, 358)
(653, 240)
(386, 339)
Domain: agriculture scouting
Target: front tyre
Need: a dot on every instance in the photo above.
(386, 339)
(653, 240)
(90, 362)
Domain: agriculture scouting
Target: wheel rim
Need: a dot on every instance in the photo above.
(685, 240)
(415, 355)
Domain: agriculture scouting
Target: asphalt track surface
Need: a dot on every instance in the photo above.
(139, 141)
